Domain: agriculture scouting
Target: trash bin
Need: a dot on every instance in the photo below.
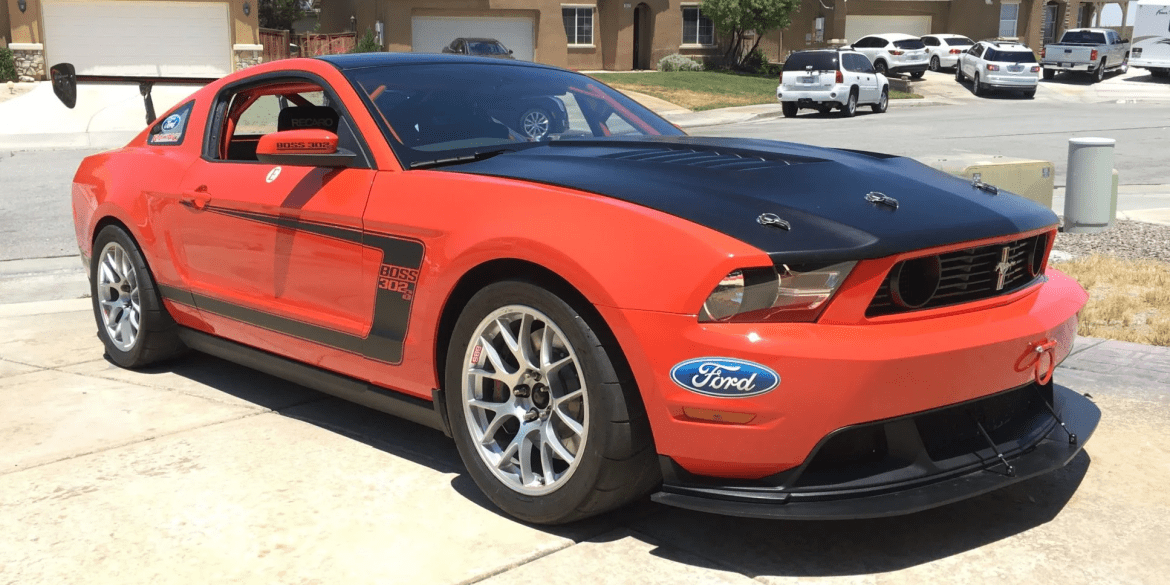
(1089, 198)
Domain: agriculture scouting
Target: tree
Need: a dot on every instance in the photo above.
(280, 14)
(733, 18)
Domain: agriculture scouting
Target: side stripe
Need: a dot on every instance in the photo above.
(392, 306)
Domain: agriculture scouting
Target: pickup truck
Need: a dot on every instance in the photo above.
(1087, 50)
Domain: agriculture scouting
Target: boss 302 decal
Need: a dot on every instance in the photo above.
(724, 377)
(393, 300)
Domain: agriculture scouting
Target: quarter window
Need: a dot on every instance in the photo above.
(578, 24)
(1008, 16)
(697, 28)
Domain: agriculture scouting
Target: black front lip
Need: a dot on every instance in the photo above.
(1052, 452)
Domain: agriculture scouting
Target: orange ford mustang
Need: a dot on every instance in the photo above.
(592, 304)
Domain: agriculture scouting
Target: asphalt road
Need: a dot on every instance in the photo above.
(1010, 127)
(37, 218)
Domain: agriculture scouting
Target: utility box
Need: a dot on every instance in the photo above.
(1032, 179)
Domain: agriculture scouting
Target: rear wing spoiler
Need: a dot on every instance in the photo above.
(64, 78)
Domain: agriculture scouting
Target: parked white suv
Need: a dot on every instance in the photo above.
(944, 50)
(1004, 65)
(894, 53)
(827, 79)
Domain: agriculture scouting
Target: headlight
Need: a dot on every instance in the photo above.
(789, 293)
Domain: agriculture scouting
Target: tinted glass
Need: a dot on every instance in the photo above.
(1083, 36)
(1010, 56)
(930, 41)
(909, 44)
(486, 48)
(959, 41)
(435, 111)
(819, 61)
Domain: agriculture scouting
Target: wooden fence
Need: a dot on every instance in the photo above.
(276, 44)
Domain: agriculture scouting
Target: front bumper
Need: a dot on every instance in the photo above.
(917, 465)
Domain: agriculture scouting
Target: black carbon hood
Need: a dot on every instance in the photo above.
(726, 184)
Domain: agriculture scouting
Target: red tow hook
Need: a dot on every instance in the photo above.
(1048, 348)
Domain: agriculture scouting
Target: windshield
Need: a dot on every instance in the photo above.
(1009, 56)
(909, 44)
(486, 48)
(438, 112)
(959, 41)
(820, 61)
(1083, 36)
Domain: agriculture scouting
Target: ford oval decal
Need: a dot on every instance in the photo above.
(724, 377)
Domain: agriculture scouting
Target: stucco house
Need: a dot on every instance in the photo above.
(210, 38)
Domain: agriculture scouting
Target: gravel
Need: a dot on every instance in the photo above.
(1131, 240)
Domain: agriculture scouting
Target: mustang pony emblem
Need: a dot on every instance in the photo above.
(1003, 267)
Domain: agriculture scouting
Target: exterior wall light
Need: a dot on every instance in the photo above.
(247, 9)
(22, 5)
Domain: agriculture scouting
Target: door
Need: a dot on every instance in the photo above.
(867, 80)
(857, 26)
(278, 247)
(154, 39)
(642, 36)
(429, 34)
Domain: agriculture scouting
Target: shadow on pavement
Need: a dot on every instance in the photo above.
(751, 546)
(861, 547)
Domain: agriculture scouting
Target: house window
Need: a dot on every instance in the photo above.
(697, 29)
(578, 24)
(1009, 14)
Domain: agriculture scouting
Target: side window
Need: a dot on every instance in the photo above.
(879, 43)
(247, 116)
(865, 43)
(863, 64)
(930, 41)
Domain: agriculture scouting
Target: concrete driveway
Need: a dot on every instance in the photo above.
(1134, 86)
(203, 471)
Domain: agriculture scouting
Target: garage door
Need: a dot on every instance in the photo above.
(430, 34)
(121, 38)
(859, 26)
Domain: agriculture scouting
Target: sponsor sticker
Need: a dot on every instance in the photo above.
(165, 137)
(724, 377)
(172, 122)
(272, 175)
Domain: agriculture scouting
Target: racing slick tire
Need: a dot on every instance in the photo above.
(1049, 74)
(789, 109)
(849, 108)
(883, 102)
(544, 423)
(132, 322)
(535, 123)
(917, 74)
(934, 64)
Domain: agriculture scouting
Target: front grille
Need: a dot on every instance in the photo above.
(963, 276)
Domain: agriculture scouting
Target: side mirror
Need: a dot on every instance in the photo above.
(303, 148)
(1123, 41)
(64, 78)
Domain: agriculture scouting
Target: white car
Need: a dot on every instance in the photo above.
(1005, 65)
(827, 79)
(944, 50)
(894, 53)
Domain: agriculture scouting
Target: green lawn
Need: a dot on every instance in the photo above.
(704, 90)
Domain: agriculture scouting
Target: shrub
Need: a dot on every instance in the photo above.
(754, 62)
(678, 62)
(7, 65)
(367, 44)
